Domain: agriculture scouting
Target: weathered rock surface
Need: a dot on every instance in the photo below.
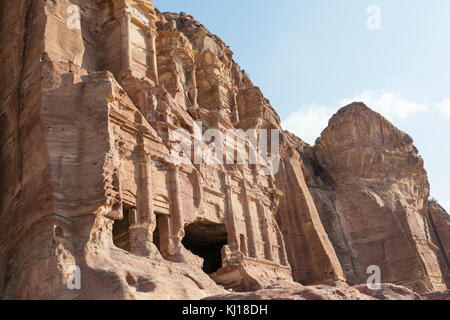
(371, 191)
(92, 182)
(439, 225)
(323, 292)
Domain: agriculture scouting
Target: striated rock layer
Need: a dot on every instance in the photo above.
(92, 182)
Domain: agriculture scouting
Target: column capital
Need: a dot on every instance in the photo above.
(151, 30)
(174, 167)
(121, 9)
(228, 180)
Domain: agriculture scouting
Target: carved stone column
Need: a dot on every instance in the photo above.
(177, 219)
(230, 219)
(251, 231)
(235, 109)
(125, 22)
(141, 232)
(194, 90)
(152, 50)
(265, 232)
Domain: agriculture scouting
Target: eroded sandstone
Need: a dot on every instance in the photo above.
(88, 120)
(372, 191)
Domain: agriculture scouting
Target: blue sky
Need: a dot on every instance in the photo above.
(310, 57)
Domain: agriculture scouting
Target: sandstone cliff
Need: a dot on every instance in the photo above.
(372, 192)
(89, 125)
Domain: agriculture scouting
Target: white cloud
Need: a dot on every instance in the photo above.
(390, 105)
(310, 120)
(444, 107)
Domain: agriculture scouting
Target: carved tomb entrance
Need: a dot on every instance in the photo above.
(121, 229)
(206, 240)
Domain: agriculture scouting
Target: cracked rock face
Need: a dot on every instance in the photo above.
(96, 204)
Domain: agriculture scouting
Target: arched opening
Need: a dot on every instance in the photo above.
(206, 240)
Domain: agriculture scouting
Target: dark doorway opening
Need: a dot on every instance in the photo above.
(161, 233)
(156, 235)
(121, 230)
(206, 240)
(243, 244)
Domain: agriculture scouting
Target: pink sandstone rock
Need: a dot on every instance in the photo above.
(88, 122)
